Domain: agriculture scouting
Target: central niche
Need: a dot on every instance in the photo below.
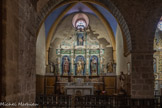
(80, 55)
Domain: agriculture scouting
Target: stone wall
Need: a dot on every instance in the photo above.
(19, 50)
(1, 43)
(40, 4)
(142, 78)
(11, 48)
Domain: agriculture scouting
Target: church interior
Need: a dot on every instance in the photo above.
(81, 53)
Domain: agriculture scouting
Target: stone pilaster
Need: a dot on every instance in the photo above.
(142, 78)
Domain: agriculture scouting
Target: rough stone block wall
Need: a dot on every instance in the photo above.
(11, 48)
(27, 48)
(142, 78)
(20, 51)
(1, 34)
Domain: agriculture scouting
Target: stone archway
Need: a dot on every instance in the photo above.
(141, 75)
(113, 10)
(141, 17)
(51, 5)
(42, 16)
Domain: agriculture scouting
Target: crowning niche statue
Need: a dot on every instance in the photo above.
(80, 39)
(94, 66)
(66, 66)
(80, 66)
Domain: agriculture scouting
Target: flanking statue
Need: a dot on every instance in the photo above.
(94, 66)
(110, 67)
(66, 66)
(122, 79)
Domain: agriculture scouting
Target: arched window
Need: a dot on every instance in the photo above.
(160, 25)
(80, 24)
(80, 21)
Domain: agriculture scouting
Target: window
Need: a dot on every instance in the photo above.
(80, 21)
(160, 25)
(81, 24)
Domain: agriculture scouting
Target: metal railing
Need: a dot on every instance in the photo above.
(96, 101)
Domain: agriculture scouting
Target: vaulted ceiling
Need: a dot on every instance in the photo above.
(80, 7)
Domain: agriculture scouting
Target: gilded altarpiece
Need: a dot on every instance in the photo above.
(80, 56)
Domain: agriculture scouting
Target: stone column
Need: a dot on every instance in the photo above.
(72, 62)
(87, 62)
(101, 60)
(142, 78)
(59, 62)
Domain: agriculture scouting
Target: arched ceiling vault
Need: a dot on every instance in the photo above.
(63, 13)
(101, 17)
(70, 5)
(108, 5)
(66, 2)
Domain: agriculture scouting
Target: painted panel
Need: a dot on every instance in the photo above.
(110, 82)
(80, 51)
(94, 51)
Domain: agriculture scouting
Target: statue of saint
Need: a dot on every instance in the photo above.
(154, 65)
(66, 66)
(80, 41)
(52, 67)
(110, 67)
(122, 79)
(93, 66)
(80, 66)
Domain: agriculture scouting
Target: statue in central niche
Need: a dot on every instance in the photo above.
(94, 66)
(80, 66)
